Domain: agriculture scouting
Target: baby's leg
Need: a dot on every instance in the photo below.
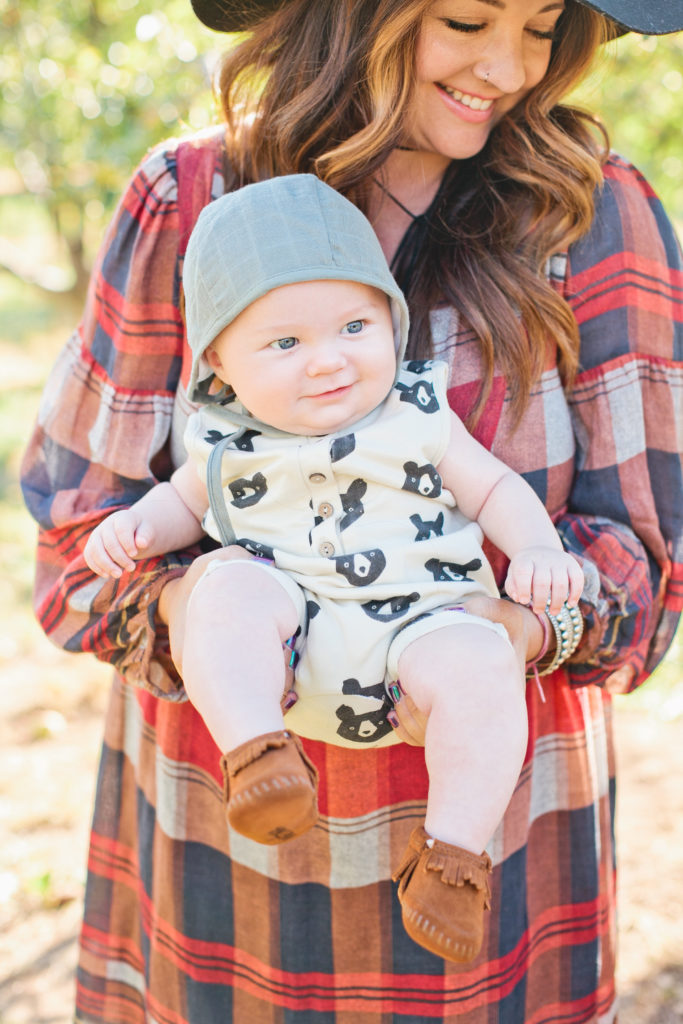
(467, 680)
(238, 617)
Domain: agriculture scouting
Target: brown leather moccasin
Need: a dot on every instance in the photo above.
(444, 891)
(270, 788)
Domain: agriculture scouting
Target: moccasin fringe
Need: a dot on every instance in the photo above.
(411, 856)
(235, 760)
(457, 866)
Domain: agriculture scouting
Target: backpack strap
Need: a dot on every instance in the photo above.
(200, 165)
(198, 161)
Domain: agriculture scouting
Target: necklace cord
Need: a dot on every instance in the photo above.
(383, 188)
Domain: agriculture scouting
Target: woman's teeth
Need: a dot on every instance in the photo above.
(473, 102)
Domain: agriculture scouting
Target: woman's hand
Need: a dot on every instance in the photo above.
(526, 636)
(408, 722)
(522, 625)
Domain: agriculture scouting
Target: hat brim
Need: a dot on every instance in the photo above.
(234, 15)
(656, 17)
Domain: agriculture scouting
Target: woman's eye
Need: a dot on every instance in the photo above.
(463, 26)
(353, 327)
(550, 35)
(284, 343)
(468, 26)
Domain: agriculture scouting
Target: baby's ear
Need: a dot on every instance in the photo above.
(213, 359)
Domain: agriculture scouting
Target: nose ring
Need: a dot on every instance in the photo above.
(486, 77)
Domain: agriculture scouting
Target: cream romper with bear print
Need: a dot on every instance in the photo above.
(363, 537)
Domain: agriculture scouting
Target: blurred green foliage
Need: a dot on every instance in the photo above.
(87, 86)
(636, 87)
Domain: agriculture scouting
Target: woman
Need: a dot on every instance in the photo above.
(541, 276)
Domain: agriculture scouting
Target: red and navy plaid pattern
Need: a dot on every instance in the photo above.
(188, 924)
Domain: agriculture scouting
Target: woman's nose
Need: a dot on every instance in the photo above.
(504, 61)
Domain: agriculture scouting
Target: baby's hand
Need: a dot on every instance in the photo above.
(116, 542)
(538, 575)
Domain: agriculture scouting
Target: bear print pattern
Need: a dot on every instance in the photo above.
(418, 366)
(362, 567)
(452, 570)
(342, 446)
(243, 440)
(422, 480)
(255, 547)
(214, 436)
(420, 394)
(391, 607)
(352, 504)
(425, 527)
(367, 726)
(247, 492)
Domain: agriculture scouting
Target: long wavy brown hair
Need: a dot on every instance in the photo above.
(324, 87)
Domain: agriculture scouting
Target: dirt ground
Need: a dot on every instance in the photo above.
(50, 726)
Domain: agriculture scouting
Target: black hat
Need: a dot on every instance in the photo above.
(651, 17)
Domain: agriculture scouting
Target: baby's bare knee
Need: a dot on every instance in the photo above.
(457, 662)
(239, 592)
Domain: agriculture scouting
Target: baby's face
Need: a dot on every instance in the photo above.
(309, 358)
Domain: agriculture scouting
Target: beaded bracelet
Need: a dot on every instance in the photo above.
(568, 628)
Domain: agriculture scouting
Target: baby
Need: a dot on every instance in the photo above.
(319, 450)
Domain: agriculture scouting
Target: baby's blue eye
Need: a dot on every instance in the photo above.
(284, 343)
(354, 327)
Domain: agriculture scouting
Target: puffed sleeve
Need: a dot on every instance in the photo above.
(102, 436)
(625, 515)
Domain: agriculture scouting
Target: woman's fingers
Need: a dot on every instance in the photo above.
(409, 723)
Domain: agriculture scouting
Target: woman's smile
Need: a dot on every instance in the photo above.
(475, 61)
(476, 109)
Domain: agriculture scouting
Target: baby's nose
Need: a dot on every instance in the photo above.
(326, 357)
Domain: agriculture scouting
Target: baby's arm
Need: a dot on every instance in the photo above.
(514, 519)
(167, 518)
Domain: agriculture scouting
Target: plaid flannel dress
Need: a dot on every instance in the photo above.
(186, 923)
